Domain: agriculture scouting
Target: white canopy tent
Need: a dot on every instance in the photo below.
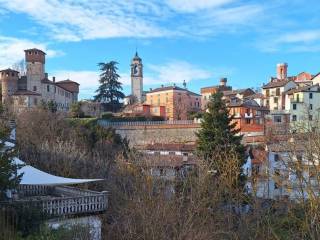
(33, 176)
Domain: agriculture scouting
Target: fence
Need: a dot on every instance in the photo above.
(61, 201)
(106, 123)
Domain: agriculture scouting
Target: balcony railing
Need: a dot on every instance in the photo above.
(63, 201)
(106, 123)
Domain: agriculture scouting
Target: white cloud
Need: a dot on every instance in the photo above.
(195, 5)
(76, 20)
(299, 41)
(12, 50)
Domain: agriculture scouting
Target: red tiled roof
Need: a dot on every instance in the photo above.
(172, 88)
(276, 84)
(67, 81)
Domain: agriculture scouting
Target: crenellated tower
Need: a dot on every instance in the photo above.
(35, 62)
(9, 83)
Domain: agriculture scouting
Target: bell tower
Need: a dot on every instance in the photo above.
(137, 77)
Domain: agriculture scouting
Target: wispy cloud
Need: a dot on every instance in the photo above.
(298, 41)
(12, 50)
(196, 5)
(77, 20)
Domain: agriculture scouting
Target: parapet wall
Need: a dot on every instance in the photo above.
(161, 134)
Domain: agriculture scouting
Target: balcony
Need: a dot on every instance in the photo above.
(60, 201)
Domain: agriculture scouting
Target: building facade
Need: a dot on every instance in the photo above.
(249, 116)
(178, 101)
(23, 92)
(206, 92)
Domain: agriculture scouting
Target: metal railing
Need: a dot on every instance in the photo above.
(105, 123)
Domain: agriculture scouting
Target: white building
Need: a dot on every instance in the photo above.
(286, 171)
(303, 104)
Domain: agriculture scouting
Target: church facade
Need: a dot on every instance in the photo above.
(21, 91)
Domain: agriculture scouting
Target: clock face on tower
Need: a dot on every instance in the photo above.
(136, 70)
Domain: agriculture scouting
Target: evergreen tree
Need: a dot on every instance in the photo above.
(8, 169)
(218, 133)
(110, 89)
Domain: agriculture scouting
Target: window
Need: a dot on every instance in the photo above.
(277, 119)
(276, 186)
(294, 106)
(275, 100)
(35, 101)
(161, 171)
(205, 97)
(172, 153)
(34, 88)
(310, 95)
(310, 117)
(294, 118)
(268, 93)
(268, 102)
(248, 120)
(48, 88)
(278, 92)
(276, 157)
(310, 106)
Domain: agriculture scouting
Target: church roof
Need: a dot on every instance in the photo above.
(136, 56)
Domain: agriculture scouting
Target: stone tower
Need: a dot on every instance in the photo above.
(35, 62)
(282, 71)
(137, 77)
(9, 83)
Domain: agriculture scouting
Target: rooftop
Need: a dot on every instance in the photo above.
(276, 83)
(173, 88)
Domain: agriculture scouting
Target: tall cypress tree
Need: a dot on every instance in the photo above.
(218, 133)
(110, 89)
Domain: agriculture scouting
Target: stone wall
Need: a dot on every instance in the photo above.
(162, 134)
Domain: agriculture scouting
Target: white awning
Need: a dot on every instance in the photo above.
(33, 176)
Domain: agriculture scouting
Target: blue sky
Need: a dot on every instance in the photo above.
(194, 40)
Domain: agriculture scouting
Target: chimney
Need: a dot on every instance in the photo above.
(223, 82)
(54, 79)
(46, 75)
(162, 85)
(282, 71)
(174, 84)
(150, 89)
(184, 84)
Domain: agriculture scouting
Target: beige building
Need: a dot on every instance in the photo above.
(30, 90)
(178, 101)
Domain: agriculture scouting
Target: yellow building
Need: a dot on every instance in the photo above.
(178, 101)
